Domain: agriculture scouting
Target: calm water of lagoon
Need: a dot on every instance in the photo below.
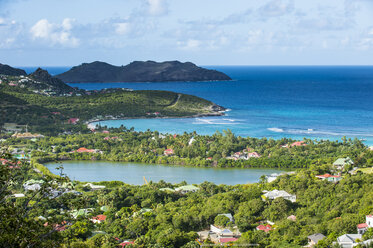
(133, 173)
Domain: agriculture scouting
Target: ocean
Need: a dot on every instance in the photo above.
(317, 102)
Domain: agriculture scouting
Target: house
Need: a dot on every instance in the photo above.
(73, 121)
(265, 228)
(349, 240)
(187, 189)
(226, 233)
(363, 227)
(222, 241)
(341, 162)
(271, 195)
(191, 141)
(371, 148)
(253, 155)
(314, 239)
(229, 216)
(330, 178)
(168, 152)
(125, 243)
(98, 219)
(298, 143)
(18, 195)
(33, 185)
(83, 149)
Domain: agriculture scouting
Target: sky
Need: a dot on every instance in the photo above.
(205, 32)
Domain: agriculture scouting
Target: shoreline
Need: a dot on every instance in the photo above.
(90, 125)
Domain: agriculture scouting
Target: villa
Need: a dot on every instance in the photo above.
(168, 152)
(271, 195)
(98, 219)
(73, 121)
(363, 227)
(265, 228)
(314, 239)
(330, 178)
(187, 189)
(348, 240)
(341, 162)
(298, 143)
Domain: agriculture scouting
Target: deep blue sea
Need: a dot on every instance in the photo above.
(318, 102)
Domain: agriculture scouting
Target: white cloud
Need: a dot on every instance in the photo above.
(190, 44)
(157, 7)
(122, 28)
(276, 8)
(55, 33)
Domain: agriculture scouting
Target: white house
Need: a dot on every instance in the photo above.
(363, 227)
(349, 240)
(314, 239)
(271, 195)
(226, 233)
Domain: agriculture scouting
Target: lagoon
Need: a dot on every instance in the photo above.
(133, 173)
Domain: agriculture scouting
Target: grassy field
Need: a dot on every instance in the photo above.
(366, 170)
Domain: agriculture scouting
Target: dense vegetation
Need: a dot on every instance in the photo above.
(172, 219)
(49, 114)
(148, 147)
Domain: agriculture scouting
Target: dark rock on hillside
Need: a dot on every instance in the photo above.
(43, 76)
(10, 71)
(140, 71)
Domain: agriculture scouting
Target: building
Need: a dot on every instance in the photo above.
(223, 241)
(342, 162)
(363, 227)
(349, 240)
(94, 187)
(265, 228)
(98, 219)
(187, 189)
(298, 143)
(314, 239)
(271, 195)
(253, 155)
(73, 121)
(168, 152)
(83, 149)
(292, 218)
(330, 178)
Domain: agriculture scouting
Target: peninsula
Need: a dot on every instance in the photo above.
(139, 71)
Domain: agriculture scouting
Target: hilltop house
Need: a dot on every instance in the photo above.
(83, 149)
(314, 239)
(94, 187)
(363, 227)
(342, 162)
(271, 195)
(298, 143)
(225, 233)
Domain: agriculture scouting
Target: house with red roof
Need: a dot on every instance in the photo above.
(226, 240)
(125, 243)
(330, 178)
(363, 227)
(98, 219)
(265, 228)
(253, 155)
(298, 143)
(168, 152)
(83, 149)
(73, 121)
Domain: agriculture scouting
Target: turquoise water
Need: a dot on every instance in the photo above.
(133, 173)
(316, 102)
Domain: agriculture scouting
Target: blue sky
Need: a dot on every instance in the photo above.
(207, 32)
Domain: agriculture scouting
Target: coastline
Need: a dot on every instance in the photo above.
(90, 125)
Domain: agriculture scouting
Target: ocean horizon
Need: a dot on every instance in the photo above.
(317, 102)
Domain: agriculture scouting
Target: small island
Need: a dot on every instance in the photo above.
(140, 71)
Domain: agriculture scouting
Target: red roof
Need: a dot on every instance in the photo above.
(123, 244)
(73, 120)
(298, 143)
(100, 217)
(83, 149)
(362, 225)
(105, 131)
(328, 175)
(226, 240)
(265, 228)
